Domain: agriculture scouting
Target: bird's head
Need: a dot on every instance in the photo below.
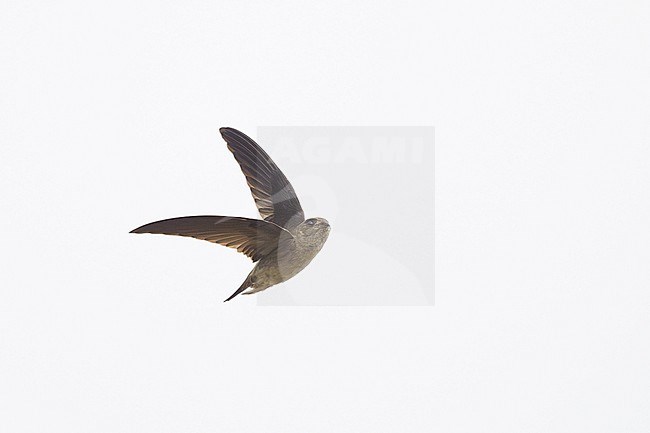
(314, 226)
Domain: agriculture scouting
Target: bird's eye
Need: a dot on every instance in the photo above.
(311, 222)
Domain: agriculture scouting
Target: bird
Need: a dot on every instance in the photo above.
(281, 244)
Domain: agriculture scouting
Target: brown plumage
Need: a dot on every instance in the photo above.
(282, 244)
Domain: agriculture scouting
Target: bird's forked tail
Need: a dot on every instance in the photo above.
(246, 284)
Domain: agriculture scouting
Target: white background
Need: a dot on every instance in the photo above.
(541, 320)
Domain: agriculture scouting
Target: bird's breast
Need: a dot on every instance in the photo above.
(292, 260)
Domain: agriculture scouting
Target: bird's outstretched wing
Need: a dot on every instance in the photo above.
(274, 196)
(255, 238)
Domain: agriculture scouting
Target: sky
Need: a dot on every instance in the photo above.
(110, 115)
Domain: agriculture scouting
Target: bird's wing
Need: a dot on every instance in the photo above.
(255, 238)
(274, 196)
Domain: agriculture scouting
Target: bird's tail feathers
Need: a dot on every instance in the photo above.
(246, 284)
